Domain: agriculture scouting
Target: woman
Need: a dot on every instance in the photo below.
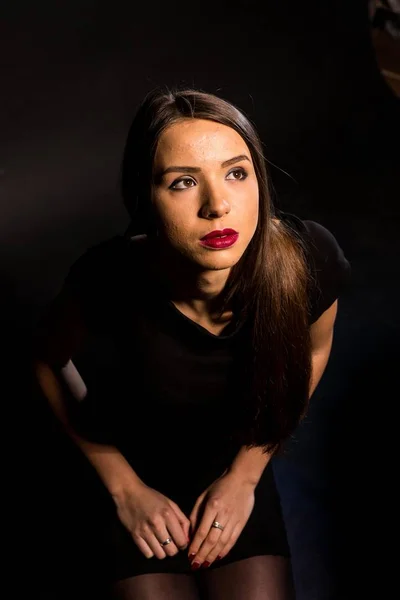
(198, 345)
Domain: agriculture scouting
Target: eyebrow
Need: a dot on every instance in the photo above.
(226, 163)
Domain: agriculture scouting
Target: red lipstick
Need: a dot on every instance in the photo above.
(218, 240)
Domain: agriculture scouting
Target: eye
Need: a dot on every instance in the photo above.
(182, 184)
(238, 174)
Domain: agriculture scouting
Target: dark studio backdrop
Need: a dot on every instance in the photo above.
(73, 75)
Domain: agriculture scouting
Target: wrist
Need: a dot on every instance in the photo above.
(242, 476)
(124, 484)
(248, 465)
(115, 472)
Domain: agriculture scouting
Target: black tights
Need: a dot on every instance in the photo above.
(255, 578)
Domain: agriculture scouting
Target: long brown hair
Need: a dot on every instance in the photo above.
(268, 286)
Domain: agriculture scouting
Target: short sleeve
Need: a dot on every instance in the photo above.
(60, 331)
(330, 268)
(95, 281)
(80, 309)
(74, 327)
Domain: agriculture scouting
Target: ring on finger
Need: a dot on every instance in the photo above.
(166, 542)
(218, 525)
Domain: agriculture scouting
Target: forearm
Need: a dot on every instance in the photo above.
(319, 360)
(111, 466)
(249, 463)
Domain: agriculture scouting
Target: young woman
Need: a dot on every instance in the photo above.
(194, 349)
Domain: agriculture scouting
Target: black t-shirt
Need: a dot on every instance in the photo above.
(102, 273)
(148, 368)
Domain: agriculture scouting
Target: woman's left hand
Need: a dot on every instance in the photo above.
(230, 502)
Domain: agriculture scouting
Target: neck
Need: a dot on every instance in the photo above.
(198, 290)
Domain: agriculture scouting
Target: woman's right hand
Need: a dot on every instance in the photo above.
(151, 518)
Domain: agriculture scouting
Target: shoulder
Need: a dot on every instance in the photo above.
(103, 264)
(102, 282)
(321, 246)
(95, 258)
(97, 292)
(330, 270)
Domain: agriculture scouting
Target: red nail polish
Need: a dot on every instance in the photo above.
(195, 566)
(191, 556)
(218, 557)
(206, 564)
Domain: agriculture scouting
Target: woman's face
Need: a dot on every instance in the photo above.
(204, 180)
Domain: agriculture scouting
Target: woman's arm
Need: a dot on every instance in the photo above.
(230, 499)
(148, 515)
(321, 344)
(249, 464)
(61, 333)
(112, 468)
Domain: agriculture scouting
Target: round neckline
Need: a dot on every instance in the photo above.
(180, 315)
(162, 286)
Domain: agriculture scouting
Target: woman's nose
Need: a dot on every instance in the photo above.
(215, 204)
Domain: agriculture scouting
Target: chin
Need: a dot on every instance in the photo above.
(221, 259)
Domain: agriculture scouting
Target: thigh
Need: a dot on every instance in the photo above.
(156, 586)
(265, 577)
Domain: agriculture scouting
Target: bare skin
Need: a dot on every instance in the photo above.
(192, 202)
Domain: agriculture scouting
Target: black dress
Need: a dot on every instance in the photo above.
(161, 387)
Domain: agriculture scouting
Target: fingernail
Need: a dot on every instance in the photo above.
(195, 566)
(218, 557)
(191, 556)
(206, 564)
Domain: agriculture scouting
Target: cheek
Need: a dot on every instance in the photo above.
(176, 228)
(177, 217)
(251, 204)
(167, 213)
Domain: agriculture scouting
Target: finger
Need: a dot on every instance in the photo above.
(206, 536)
(143, 546)
(162, 535)
(176, 531)
(147, 534)
(182, 519)
(201, 528)
(212, 545)
(193, 519)
(155, 542)
(219, 548)
(231, 541)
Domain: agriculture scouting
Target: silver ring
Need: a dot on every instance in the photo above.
(218, 525)
(167, 541)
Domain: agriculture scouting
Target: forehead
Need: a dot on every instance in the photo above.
(199, 139)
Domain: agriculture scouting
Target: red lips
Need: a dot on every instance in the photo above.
(219, 233)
